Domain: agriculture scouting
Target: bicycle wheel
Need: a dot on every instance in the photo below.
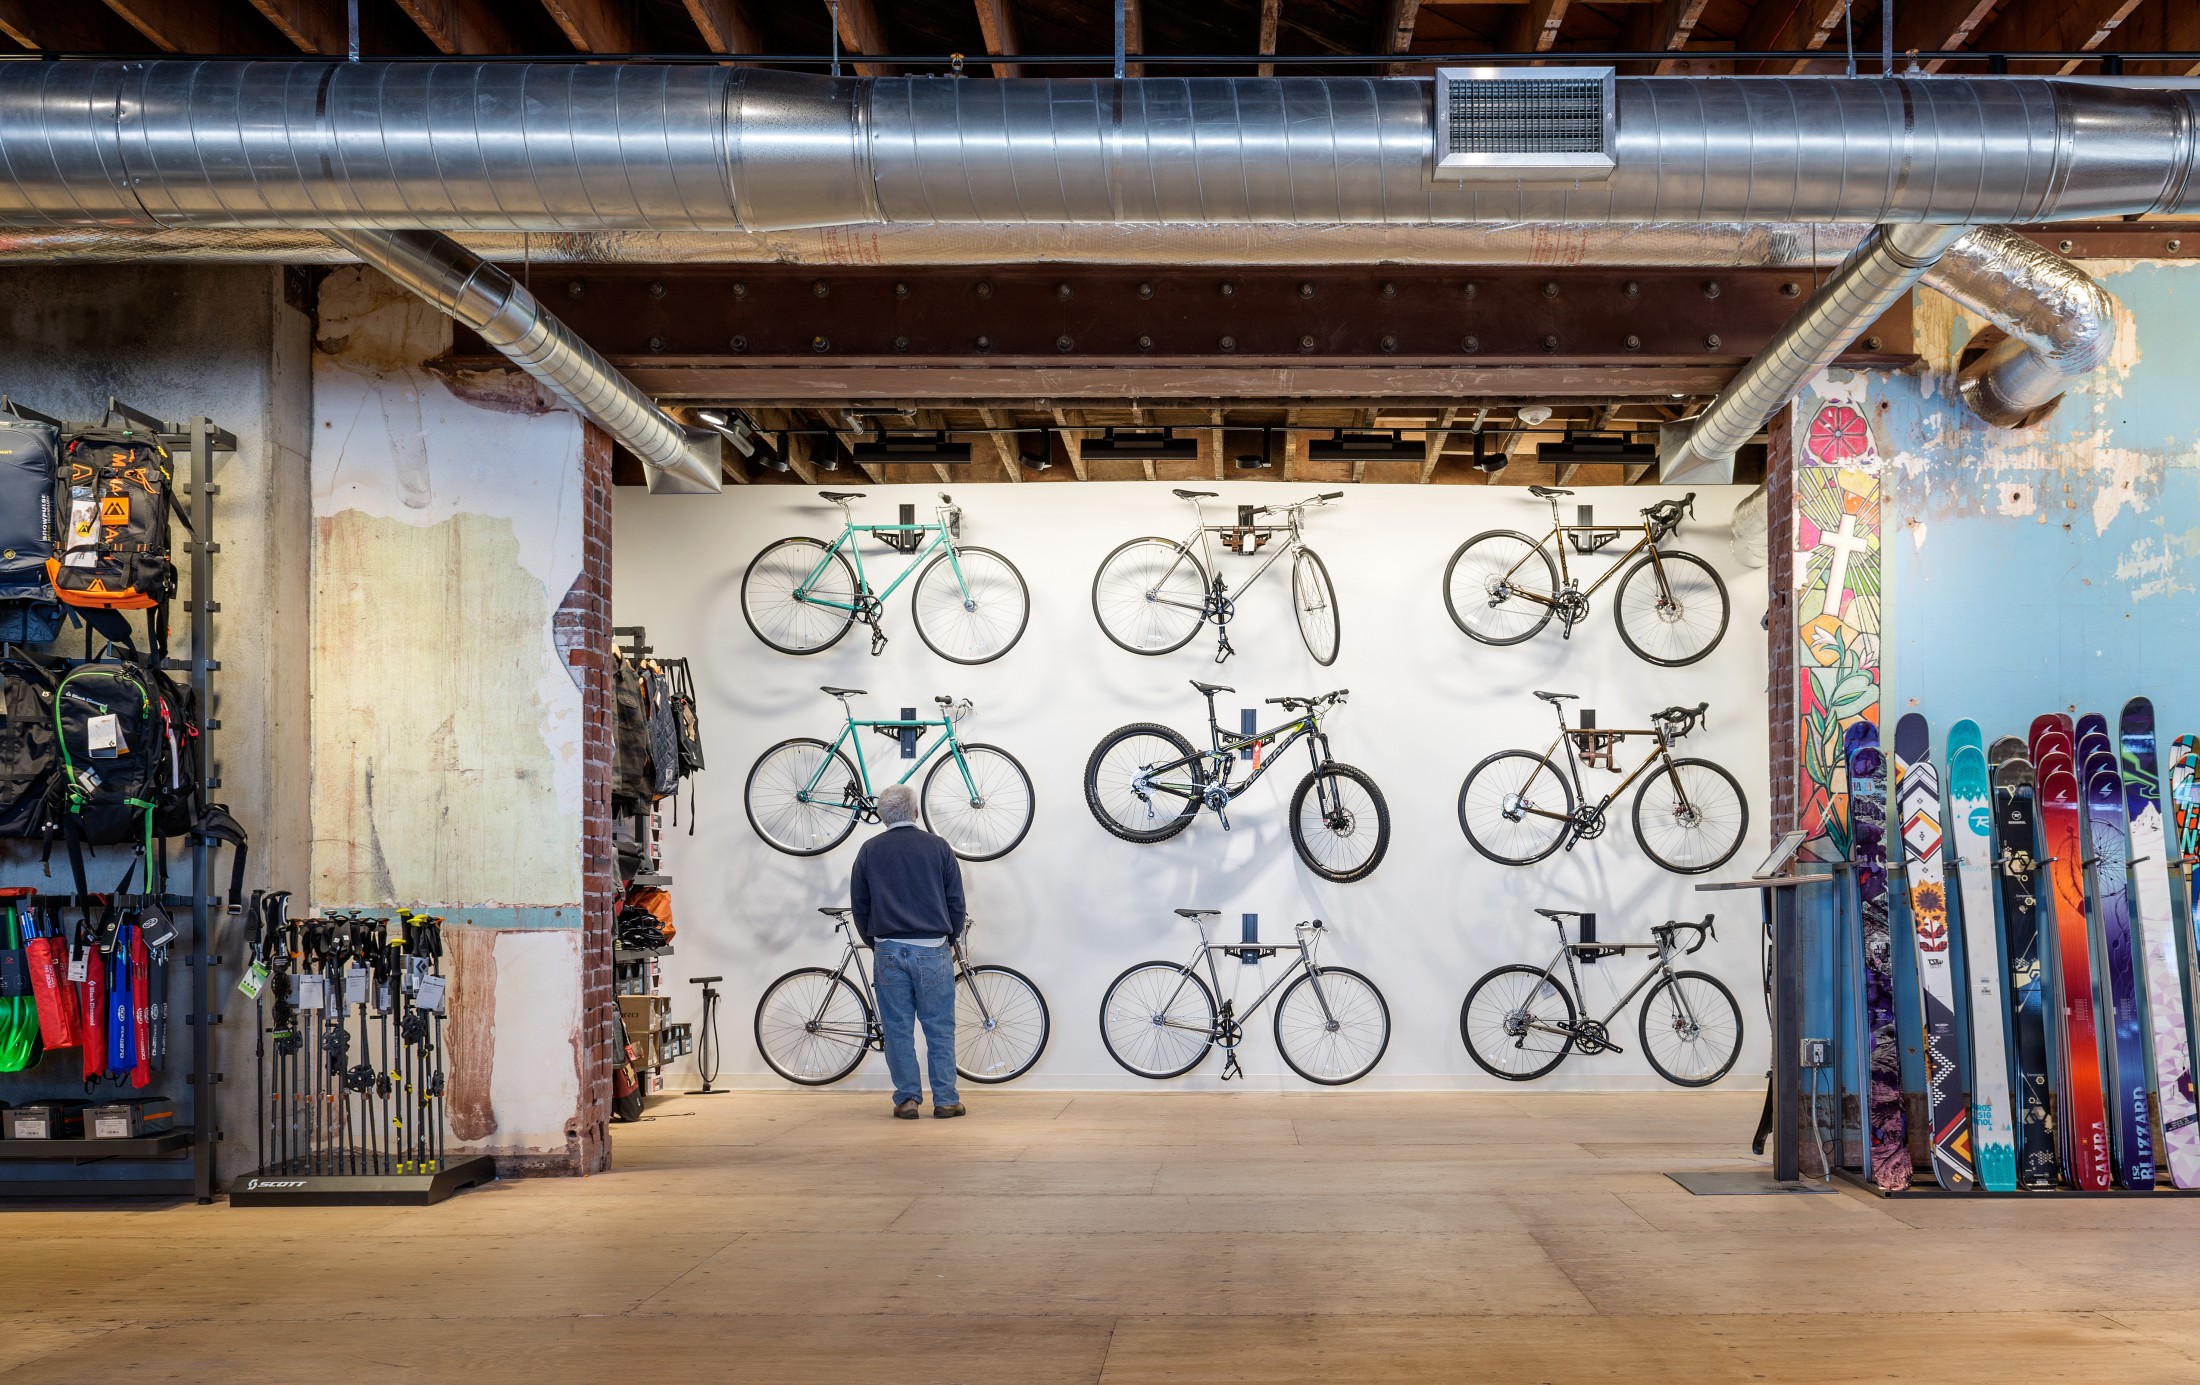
(1491, 586)
(1150, 596)
(977, 618)
(1116, 791)
(985, 825)
(813, 1026)
(1314, 599)
(1342, 831)
(1675, 622)
(796, 809)
(1517, 1022)
(782, 591)
(1332, 1026)
(1692, 826)
(1691, 1028)
(1158, 1020)
(1502, 805)
(999, 1040)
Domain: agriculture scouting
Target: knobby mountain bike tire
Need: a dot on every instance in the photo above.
(1492, 800)
(1486, 1027)
(1314, 602)
(977, 627)
(1341, 1046)
(774, 615)
(813, 1026)
(1474, 574)
(1157, 1020)
(1004, 1047)
(998, 821)
(1691, 1001)
(1677, 632)
(781, 818)
(1350, 847)
(1150, 596)
(1705, 838)
(1109, 771)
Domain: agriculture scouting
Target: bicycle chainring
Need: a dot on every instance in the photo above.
(1590, 1036)
(1589, 823)
(1571, 606)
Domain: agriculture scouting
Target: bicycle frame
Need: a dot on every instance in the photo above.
(1660, 965)
(851, 956)
(1660, 755)
(1556, 540)
(1210, 601)
(847, 544)
(1225, 746)
(1228, 1014)
(848, 736)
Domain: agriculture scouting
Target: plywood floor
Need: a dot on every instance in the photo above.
(1123, 1238)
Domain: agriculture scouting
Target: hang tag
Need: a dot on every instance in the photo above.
(355, 984)
(15, 973)
(416, 971)
(79, 967)
(430, 997)
(103, 735)
(254, 981)
(382, 998)
(159, 931)
(110, 929)
(82, 546)
(312, 992)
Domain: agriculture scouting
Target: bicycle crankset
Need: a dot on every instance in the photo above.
(1590, 1036)
(1589, 823)
(869, 610)
(1571, 606)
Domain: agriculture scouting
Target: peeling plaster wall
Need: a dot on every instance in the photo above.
(448, 727)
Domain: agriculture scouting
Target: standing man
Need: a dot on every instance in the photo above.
(908, 896)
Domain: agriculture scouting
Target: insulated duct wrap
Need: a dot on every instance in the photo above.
(502, 147)
(2061, 322)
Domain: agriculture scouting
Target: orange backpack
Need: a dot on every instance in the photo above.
(112, 493)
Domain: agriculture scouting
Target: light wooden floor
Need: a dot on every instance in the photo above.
(1123, 1238)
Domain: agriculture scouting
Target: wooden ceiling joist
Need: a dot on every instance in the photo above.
(1787, 25)
(1400, 18)
(45, 27)
(191, 26)
(1537, 27)
(1271, 18)
(2063, 26)
(1665, 28)
(316, 26)
(997, 21)
(725, 26)
(460, 26)
(597, 26)
(1927, 25)
(861, 32)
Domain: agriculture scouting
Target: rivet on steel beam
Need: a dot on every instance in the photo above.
(1145, 290)
(1633, 342)
(820, 288)
(985, 290)
(1389, 343)
(901, 290)
(656, 343)
(1306, 343)
(1229, 290)
(1145, 343)
(574, 289)
(1063, 343)
(821, 345)
(1550, 343)
(1390, 290)
(657, 288)
(1711, 288)
(1790, 289)
(1871, 343)
(2063, 246)
(1470, 345)
(901, 343)
(1228, 343)
(1631, 289)
(1711, 341)
(1307, 290)
(740, 344)
(985, 343)
(1062, 291)
(2174, 246)
(740, 290)
(1550, 288)
(1468, 289)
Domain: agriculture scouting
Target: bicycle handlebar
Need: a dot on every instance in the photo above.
(1310, 703)
(1704, 932)
(1679, 720)
(1322, 499)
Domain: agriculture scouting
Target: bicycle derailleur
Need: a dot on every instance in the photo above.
(869, 609)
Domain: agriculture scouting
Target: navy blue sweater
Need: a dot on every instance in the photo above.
(907, 884)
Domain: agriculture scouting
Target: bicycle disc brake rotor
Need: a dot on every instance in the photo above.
(1590, 1036)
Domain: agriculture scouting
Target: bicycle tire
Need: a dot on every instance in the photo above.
(1340, 1004)
(1308, 560)
(1490, 634)
(1740, 813)
(1622, 604)
(1195, 621)
(1093, 788)
(1467, 1025)
(975, 753)
(1020, 1060)
(824, 1074)
(1381, 809)
(1559, 831)
(1649, 1050)
(752, 594)
(790, 841)
(1108, 1038)
(1014, 594)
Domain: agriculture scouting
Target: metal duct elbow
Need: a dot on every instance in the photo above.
(2061, 323)
(514, 322)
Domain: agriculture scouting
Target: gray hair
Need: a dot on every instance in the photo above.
(897, 803)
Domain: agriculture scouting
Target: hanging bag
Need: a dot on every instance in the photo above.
(18, 1010)
(112, 495)
(29, 756)
(30, 455)
(48, 955)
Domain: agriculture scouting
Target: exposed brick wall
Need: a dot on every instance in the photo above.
(584, 633)
(1780, 614)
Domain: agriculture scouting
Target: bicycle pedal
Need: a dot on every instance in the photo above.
(878, 641)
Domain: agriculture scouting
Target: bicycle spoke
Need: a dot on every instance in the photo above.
(776, 797)
(977, 618)
(1514, 1022)
(811, 622)
(1494, 586)
(1340, 1041)
(1675, 618)
(1149, 597)
(1001, 1037)
(1342, 837)
(1695, 827)
(1157, 1020)
(1691, 1030)
(1315, 603)
(1117, 776)
(812, 1027)
(992, 820)
(1514, 808)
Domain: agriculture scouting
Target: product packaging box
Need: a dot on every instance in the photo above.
(129, 1118)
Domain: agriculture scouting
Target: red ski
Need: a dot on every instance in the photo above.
(2085, 1119)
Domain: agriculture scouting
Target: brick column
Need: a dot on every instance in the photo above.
(1780, 611)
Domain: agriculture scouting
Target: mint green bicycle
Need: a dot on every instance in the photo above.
(802, 595)
(805, 796)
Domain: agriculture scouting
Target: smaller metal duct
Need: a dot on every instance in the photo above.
(514, 322)
(1887, 265)
(2061, 323)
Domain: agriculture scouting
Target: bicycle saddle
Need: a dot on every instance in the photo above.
(1197, 913)
(1555, 698)
(832, 913)
(861, 692)
(1554, 915)
(838, 496)
(1195, 495)
(1211, 688)
(1546, 492)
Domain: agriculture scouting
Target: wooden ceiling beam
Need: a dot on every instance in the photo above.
(1664, 28)
(2181, 33)
(1073, 443)
(1400, 17)
(1926, 25)
(1134, 36)
(597, 26)
(1786, 25)
(1537, 27)
(2063, 26)
(861, 32)
(1271, 18)
(460, 26)
(46, 27)
(316, 26)
(725, 26)
(997, 21)
(1003, 448)
(188, 26)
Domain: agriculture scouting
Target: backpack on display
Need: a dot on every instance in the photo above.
(112, 500)
(28, 751)
(30, 451)
(117, 747)
(664, 733)
(684, 716)
(632, 781)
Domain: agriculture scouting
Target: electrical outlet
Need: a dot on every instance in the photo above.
(1817, 1053)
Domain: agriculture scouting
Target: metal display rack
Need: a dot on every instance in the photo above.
(179, 1162)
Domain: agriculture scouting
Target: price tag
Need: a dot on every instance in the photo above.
(82, 547)
(79, 966)
(32, 1128)
(111, 1128)
(312, 992)
(103, 735)
(158, 930)
(431, 994)
(355, 984)
(255, 981)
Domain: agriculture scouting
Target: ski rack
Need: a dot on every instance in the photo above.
(59, 1168)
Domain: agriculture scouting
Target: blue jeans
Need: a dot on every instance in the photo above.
(917, 984)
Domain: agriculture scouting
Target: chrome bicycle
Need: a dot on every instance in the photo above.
(1152, 595)
(1158, 1019)
(801, 595)
(814, 1025)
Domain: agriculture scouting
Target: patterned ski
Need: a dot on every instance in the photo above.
(1971, 832)
(1887, 1130)
(2184, 798)
(2132, 1084)
(2085, 1123)
(2016, 856)
(1917, 800)
(2150, 877)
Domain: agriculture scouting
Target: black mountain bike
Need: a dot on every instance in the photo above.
(1145, 783)
(1518, 807)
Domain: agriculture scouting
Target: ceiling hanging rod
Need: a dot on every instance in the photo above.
(2111, 62)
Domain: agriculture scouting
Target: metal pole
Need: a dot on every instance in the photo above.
(1122, 26)
(1787, 1035)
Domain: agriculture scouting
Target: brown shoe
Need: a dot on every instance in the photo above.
(948, 1112)
(909, 1110)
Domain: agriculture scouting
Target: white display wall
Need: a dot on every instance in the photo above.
(1073, 906)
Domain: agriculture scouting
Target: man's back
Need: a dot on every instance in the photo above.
(907, 884)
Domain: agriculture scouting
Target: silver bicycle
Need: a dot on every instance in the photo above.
(1152, 595)
(815, 1025)
(1159, 1018)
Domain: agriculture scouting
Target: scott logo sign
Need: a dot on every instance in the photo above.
(255, 1184)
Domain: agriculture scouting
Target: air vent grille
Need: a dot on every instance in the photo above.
(1513, 122)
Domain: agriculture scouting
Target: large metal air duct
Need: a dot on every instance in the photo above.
(2061, 322)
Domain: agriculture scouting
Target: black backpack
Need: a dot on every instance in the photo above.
(118, 745)
(28, 755)
(29, 455)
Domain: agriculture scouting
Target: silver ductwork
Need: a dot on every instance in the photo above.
(512, 321)
(2061, 323)
(632, 147)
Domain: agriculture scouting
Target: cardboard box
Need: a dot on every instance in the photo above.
(644, 1014)
(46, 1120)
(129, 1118)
